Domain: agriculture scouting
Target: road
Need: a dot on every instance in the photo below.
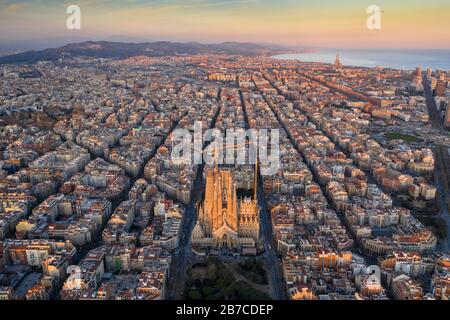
(278, 284)
(441, 180)
(180, 257)
(369, 260)
(432, 109)
(442, 170)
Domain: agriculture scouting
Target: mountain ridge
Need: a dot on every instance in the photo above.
(112, 49)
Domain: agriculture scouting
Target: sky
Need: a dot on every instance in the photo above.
(405, 24)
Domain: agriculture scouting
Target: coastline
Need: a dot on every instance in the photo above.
(406, 60)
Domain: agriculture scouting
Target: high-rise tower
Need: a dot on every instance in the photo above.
(337, 62)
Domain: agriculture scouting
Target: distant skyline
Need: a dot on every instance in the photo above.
(412, 24)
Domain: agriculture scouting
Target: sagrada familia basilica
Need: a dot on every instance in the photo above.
(224, 220)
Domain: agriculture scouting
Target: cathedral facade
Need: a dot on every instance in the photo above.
(224, 220)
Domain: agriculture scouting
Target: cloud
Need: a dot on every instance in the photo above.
(14, 7)
(11, 9)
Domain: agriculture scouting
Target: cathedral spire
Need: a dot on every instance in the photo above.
(223, 219)
(215, 159)
(255, 187)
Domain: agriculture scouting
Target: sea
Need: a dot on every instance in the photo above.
(396, 59)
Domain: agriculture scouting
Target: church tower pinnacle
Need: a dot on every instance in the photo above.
(255, 187)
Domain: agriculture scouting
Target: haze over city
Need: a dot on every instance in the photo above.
(333, 24)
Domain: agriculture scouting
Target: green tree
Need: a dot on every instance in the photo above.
(118, 265)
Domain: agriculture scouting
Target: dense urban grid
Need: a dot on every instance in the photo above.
(93, 207)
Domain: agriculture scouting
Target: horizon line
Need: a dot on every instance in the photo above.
(22, 44)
